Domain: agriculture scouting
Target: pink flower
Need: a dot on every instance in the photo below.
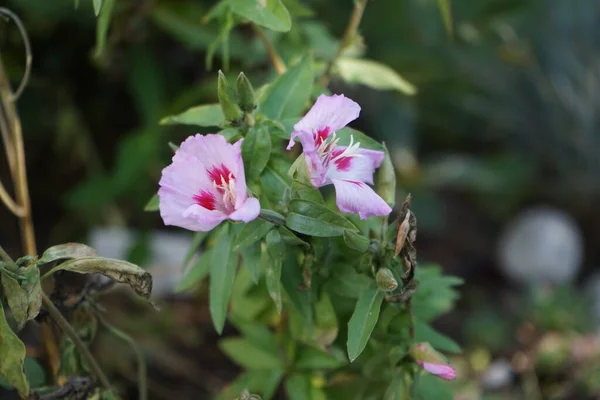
(432, 361)
(205, 185)
(444, 371)
(348, 168)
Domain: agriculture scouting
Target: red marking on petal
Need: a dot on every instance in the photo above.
(355, 182)
(343, 163)
(221, 175)
(321, 135)
(205, 199)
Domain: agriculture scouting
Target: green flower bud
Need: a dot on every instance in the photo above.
(246, 97)
(385, 280)
(228, 100)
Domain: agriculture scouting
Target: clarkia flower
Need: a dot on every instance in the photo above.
(205, 185)
(432, 361)
(348, 168)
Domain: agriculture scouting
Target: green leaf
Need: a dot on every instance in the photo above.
(206, 115)
(312, 359)
(306, 192)
(223, 265)
(429, 387)
(250, 356)
(347, 282)
(24, 297)
(300, 387)
(385, 180)
(251, 233)
(291, 278)
(152, 204)
(66, 251)
(435, 294)
(261, 381)
(290, 238)
(363, 321)
(356, 241)
(425, 333)
(397, 389)
(256, 150)
(446, 11)
(276, 250)
(199, 237)
(315, 219)
(118, 270)
(97, 7)
(102, 26)
(13, 357)
(251, 256)
(196, 273)
(373, 74)
(289, 94)
(271, 14)
(326, 326)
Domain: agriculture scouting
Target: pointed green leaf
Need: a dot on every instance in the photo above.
(373, 74)
(314, 359)
(196, 273)
(102, 26)
(250, 356)
(13, 357)
(356, 241)
(446, 11)
(289, 94)
(206, 115)
(385, 180)
(251, 256)
(305, 192)
(441, 342)
(223, 265)
(199, 237)
(363, 321)
(152, 204)
(256, 150)
(315, 219)
(271, 14)
(97, 6)
(251, 233)
(276, 250)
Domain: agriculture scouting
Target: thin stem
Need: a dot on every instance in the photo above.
(411, 327)
(9, 146)
(274, 57)
(70, 332)
(142, 370)
(28, 56)
(20, 178)
(347, 38)
(65, 327)
(10, 203)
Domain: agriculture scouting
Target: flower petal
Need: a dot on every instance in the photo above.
(212, 150)
(444, 371)
(247, 212)
(332, 112)
(358, 198)
(199, 219)
(360, 169)
(179, 182)
(241, 191)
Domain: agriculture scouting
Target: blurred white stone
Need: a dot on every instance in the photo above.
(167, 252)
(498, 375)
(541, 245)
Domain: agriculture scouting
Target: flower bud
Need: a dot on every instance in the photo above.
(228, 100)
(385, 280)
(432, 361)
(245, 91)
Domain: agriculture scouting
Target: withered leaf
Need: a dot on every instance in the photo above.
(24, 296)
(66, 251)
(121, 271)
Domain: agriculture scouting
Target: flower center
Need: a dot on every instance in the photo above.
(329, 151)
(224, 183)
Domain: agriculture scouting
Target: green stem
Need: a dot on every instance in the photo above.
(347, 38)
(66, 328)
(142, 370)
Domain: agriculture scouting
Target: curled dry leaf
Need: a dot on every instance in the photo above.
(121, 271)
(66, 251)
(24, 296)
